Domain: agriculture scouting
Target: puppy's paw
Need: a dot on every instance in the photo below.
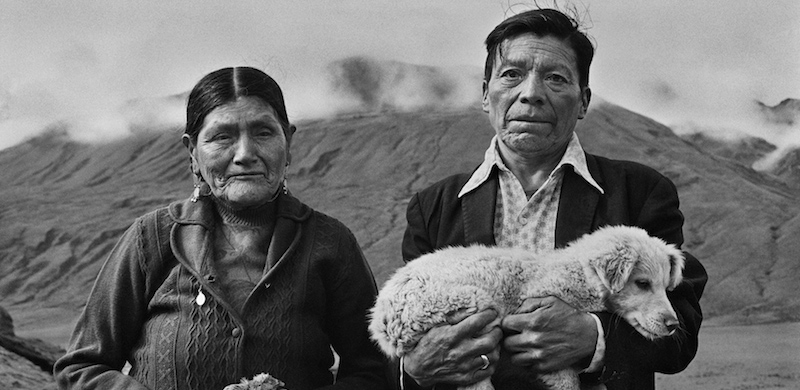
(259, 382)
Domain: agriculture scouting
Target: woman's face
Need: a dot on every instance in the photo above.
(241, 152)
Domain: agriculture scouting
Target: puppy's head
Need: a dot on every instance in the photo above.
(638, 270)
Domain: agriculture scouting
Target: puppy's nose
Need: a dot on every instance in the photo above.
(671, 324)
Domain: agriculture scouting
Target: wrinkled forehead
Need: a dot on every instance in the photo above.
(532, 47)
(248, 109)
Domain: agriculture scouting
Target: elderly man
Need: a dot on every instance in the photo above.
(538, 189)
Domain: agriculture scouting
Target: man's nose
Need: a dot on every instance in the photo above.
(532, 90)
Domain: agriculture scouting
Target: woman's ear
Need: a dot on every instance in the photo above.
(289, 134)
(187, 142)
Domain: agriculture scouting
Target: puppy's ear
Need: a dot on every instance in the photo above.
(615, 267)
(676, 263)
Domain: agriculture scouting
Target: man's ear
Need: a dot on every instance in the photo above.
(485, 100)
(586, 96)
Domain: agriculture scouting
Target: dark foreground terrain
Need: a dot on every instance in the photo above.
(65, 204)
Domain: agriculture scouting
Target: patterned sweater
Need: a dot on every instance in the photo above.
(157, 304)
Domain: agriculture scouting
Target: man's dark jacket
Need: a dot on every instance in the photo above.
(635, 195)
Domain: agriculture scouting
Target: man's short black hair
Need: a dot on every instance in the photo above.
(542, 22)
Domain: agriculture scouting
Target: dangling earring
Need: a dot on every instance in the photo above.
(195, 193)
(201, 189)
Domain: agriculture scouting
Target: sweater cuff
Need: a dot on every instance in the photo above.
(599, 348)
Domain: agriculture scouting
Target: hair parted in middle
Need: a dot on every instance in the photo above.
(225, 86)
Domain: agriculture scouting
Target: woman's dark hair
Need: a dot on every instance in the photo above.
(542, 22)
(225, 86)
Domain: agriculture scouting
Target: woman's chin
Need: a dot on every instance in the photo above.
(242, 198)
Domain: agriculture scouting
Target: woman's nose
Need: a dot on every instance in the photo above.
(245, 150)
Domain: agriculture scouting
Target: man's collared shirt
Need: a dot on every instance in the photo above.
(531, 223)
(519, 221)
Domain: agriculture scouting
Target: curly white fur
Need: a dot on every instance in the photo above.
(594, 273)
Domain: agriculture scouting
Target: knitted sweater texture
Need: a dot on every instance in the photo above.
(145, 309)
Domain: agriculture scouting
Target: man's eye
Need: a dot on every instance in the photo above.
(221, 137)
(557, 78)
(265, 132)
(511, 74)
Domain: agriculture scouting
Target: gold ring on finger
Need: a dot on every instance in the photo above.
(485, 362)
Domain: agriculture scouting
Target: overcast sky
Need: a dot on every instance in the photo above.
(699, 62)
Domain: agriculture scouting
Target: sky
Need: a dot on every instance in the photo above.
(690, 65)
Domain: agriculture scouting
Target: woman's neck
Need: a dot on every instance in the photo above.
(263, 215)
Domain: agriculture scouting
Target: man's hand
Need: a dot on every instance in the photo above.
(452, 353)
(547, 334)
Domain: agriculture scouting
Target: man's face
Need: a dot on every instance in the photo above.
(533, 98)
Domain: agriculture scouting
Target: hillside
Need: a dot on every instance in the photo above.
(67, 202)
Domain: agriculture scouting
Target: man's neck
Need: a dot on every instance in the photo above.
(531, 171)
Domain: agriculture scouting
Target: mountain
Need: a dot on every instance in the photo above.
(745, 151)
(787, 112)
(782, 161)
(788, 167)
(66, 202)
(24, 363)
(741, 223)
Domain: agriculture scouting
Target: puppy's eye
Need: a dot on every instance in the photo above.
(643, 284)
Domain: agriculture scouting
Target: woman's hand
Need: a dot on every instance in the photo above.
(547, 334)
(452, 353)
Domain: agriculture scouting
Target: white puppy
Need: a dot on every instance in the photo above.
(618, 269)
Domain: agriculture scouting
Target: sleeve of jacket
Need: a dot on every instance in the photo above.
(361, 364)
(626, 350)
(416, 240)
(111, 321)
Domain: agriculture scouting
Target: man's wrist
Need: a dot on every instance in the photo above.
(408, 379)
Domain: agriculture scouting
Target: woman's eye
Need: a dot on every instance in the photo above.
(643, 284)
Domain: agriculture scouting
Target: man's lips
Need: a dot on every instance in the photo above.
(529, 120)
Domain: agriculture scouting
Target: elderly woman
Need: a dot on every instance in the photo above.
(238, 280)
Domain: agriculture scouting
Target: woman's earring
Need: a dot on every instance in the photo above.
(195, 193)
(201, 189)
(285, 186)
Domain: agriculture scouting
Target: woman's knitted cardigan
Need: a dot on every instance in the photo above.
(144, 309)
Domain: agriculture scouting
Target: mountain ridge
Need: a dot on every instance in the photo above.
(67, 202)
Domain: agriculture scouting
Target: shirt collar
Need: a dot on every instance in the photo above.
(573, 156)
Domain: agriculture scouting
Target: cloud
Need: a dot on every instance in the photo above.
(28, 109)
(363, 83)
(701, 65)
(670, 60)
